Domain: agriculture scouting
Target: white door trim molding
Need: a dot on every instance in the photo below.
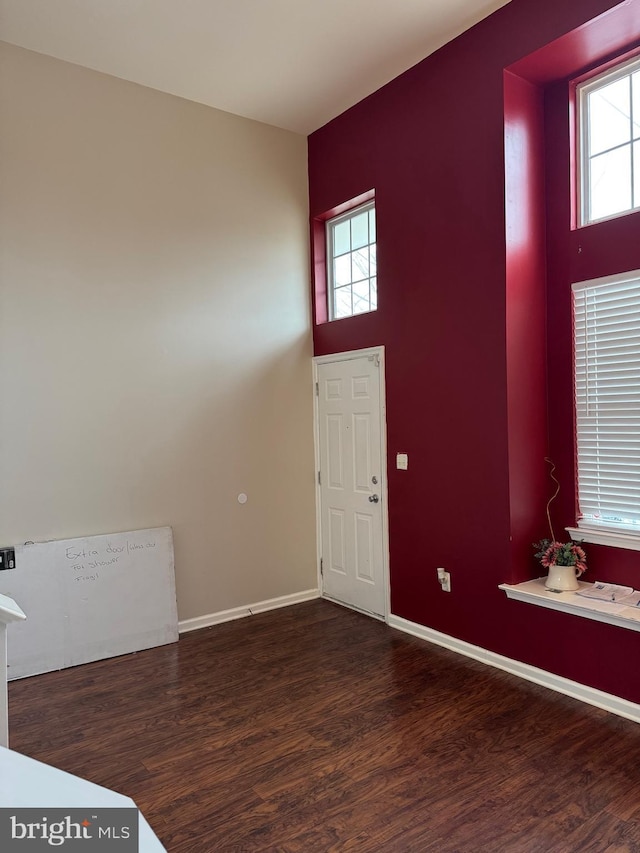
(348, 356)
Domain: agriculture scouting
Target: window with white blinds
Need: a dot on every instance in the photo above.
(607, 390)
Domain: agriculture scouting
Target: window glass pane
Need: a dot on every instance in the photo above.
(360, 264)
(372, 225)
(341, 242)
(636, 174)
(343, 302)
(373, 290)
(635, 87)
(609, 116)
(342, 270)
(361, 297)
(360, 230)
(373, 265)
(610, 183)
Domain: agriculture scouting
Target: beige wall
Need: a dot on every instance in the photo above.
(154, 329)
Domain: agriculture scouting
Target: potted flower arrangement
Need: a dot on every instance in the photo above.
(565, 561)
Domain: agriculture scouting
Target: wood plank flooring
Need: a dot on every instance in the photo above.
(314, 729)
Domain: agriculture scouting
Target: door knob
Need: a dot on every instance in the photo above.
(374, 499)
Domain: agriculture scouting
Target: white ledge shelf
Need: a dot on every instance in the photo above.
(534, 592)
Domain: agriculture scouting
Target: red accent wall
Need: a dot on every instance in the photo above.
(472, 208)
(525, 250)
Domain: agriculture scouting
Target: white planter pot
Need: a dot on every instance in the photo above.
(562, 579)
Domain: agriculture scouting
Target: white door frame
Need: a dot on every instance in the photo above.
(349, 356)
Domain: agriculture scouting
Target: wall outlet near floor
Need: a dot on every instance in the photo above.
(444, 579)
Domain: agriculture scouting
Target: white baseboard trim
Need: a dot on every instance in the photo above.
(589, 695)
(206, 621)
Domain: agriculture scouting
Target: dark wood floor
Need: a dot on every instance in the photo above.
(317, 729)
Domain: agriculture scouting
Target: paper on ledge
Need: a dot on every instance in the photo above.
(609, 592)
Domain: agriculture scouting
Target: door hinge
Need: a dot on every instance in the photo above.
(321, 568)
(319, 480)
(317, 389)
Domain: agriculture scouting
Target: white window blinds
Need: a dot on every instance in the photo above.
(607, 389)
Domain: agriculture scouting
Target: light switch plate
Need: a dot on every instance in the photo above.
(402, 461)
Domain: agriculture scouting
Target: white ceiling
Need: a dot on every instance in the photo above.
(291, 63)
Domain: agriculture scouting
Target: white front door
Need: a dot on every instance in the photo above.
(351, 489)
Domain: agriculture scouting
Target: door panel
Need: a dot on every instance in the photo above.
(336, 541)
(351, 474)
(365, 557)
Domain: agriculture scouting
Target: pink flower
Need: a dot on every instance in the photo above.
(581, 559)
(550, 555)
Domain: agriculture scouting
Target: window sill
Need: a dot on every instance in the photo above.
(534, 592)
(605, 536)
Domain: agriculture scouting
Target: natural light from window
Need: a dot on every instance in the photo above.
(607, 398)
(609, 108)
(352, 267)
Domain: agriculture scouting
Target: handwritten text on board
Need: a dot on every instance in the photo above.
(100, 558)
